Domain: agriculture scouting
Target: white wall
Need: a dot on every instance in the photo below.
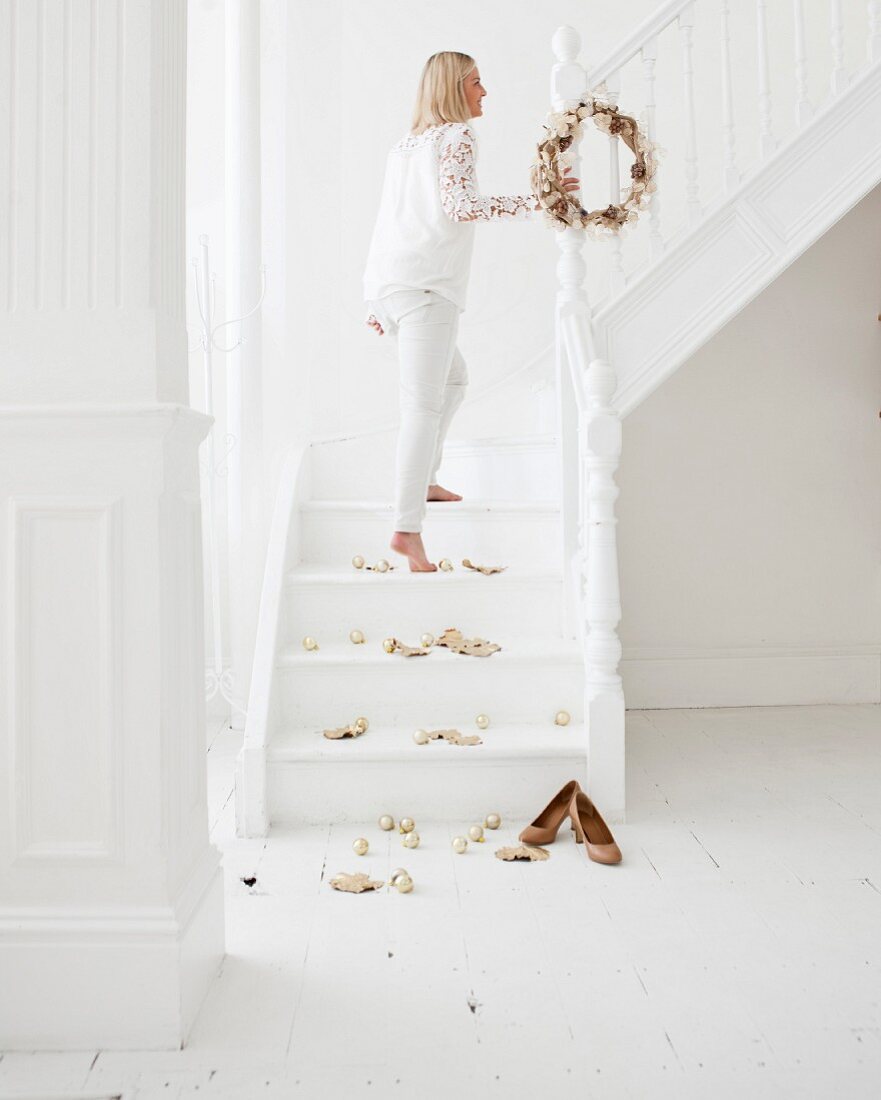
(750, 507)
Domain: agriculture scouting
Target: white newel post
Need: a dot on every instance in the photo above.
(111, 899)
(586, 386)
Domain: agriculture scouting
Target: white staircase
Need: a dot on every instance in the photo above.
(544, 508)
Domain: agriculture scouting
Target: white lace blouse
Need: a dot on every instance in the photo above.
(424, 231)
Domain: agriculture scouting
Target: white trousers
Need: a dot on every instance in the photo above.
(432, 381)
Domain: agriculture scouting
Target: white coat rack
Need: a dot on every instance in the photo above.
(219, 679)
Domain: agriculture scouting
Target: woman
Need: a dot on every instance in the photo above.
(417, 274)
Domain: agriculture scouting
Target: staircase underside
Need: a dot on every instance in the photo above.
(710, 273)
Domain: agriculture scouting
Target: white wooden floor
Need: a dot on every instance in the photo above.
(736, 951)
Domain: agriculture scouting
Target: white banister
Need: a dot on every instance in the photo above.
(731, 175)
(686, 26)
(586, 385)
(616, 267)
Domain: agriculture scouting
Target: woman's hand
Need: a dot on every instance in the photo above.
(374, 324)
(570, 184)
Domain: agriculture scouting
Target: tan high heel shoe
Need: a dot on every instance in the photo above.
(543, 829)
(591, 831)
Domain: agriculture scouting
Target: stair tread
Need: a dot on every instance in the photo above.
(520, 651)
(436, 508)
(347, 574)
(514, 742)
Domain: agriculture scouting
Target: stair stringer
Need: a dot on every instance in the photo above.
(712, 272)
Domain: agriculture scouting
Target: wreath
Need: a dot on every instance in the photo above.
(561, 209)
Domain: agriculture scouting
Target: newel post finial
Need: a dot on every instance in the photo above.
(566, 43)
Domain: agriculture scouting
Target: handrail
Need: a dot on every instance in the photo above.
(658, 21)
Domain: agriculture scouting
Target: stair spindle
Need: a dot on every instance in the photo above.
(686, 26)
(803, 108)
(617, 279)
(838, 80)
(649, 55)
(767, 142)
(731, 176)
(873, 46)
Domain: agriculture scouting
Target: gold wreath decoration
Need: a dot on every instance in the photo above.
(561, 209)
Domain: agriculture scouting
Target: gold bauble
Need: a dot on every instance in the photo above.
(358, 561)
(389, 645)
(482, 721)
(562, 718)
(387, 823)
(362, 725)
(407, 825)
(404, 884)
(426, 641)
(493, 821)
(309, 643)
(446, 565)
(356, 637)
(398, 871)
(382, 566)
(421, 737)
(476, 833)
(459, 844)
(410, 840)
(360, 846)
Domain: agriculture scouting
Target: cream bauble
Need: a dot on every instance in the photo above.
(421, 737)
(356, 637)
(389, 645)
(358, 561)
(382, 566)
(476, 833)
(386, 823)
(407, 825)
(360, 846)
(362, 724)
(562, 718)
(426, 641)
(398, 871)
(482, 721)
(493, 821)
(446, 565)
(404, 884)
(410, 840)
(459, 844)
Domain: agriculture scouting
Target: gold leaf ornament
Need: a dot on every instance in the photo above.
(487, 570)
(453, 736)
(355, 884)
(353, 729)
(393, 645)
(526, 853)
(454, 640)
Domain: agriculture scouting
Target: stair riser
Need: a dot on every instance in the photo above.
(450, 694)
(528, 540)
(433, 789)
(492, 608)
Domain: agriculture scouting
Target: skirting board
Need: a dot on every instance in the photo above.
(131, 980)
(750, 677)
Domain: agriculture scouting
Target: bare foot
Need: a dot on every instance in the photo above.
(438, 492)
(409, 543)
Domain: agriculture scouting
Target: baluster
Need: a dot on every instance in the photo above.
(873, 46)
(803, 108)
(766, 137)
(649, 54)
(569, 84)
(616, 269)
(836, 40)
(731, 176)
(600, 438)
(693, 206)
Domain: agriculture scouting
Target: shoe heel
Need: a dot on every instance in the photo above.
(576, 835)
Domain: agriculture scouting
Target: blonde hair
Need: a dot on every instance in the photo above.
(441, 95)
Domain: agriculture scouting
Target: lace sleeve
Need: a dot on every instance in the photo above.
(458, 188)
